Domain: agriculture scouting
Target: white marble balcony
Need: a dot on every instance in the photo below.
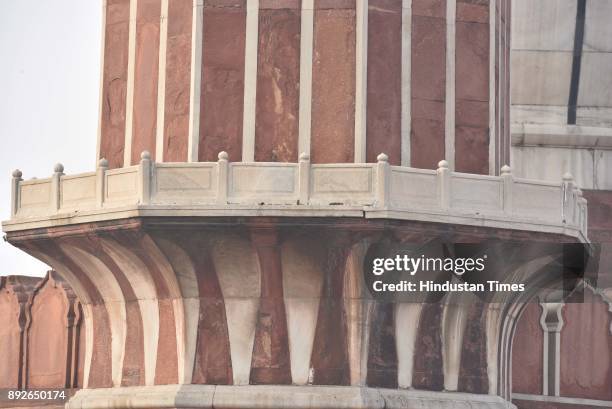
(370, 190)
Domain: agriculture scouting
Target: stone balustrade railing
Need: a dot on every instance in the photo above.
(304, 189)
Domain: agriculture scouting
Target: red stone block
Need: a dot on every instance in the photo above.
(222, 98)
(333, 87)
(278, 86)
(384, 80)
(178, 80)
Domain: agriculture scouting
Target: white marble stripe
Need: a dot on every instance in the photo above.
(129, 101)
(406, 117)
(197, 30)
(250, 81)
(361, 80)
(454, 320)
(161, 82)
(137, 274)
(302, 284)
(449, 133)
(237, 267)
(306, 50)
(493, 165)
(101, 88)
(407, 317)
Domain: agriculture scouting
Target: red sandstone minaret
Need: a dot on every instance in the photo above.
(251, 155)
(341, 80)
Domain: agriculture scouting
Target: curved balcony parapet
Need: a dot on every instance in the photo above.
(370, 190)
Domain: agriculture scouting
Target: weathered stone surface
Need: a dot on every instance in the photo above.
(271, 360)
(278, 85)
(178, 81)
(333, 85)
(586, 348)
(428, 372)
(382, 354)
(14, 293)
(114, 82)
(473, 371)
(221, 104)
(50, 334)
(427, 133)
(146, 76)
(428, 85)
(384, 80)
(527, 348)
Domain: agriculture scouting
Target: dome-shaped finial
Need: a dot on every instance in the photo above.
(443, 164)
(58, 168)
(223, 155)
(145, 155)
(382, 157)
(567, 177)
(17, 174)
(103, 163)
(506, 170)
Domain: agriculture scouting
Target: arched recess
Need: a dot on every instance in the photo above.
(52, 335)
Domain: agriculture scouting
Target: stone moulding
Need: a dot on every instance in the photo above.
(277, 397)
(300, 189)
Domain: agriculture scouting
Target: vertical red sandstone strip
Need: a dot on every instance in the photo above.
(333, 82)
(222, 98)
(329, 353)
(473, 370)
(382, 353)
(527, 352)
(472, 87)
(428, 368)
(146, 75)
(428, 83)
(114, 82)
(270, 363)
(278, 82)
(213, 361)
(133, 364)
(178, 80)
(384, 80)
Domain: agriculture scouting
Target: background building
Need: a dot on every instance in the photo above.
(252, 154)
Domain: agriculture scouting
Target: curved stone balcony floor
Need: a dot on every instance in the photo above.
(298, 190)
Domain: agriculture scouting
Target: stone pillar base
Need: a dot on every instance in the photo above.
(278, 397)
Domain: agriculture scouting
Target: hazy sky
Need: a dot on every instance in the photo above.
(49, 90)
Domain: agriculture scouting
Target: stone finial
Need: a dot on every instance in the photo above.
(382, 157)
(443, 164)
(17, 174)
(506, 170)
(304, 157)
(103, 163)
(58, 168)
(223, 155)
(567, 177)
(145, 155)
